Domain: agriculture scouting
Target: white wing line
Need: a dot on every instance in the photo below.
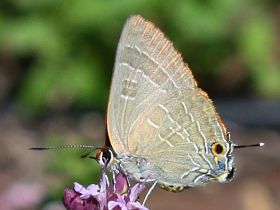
(162, 68)
(203, 136)
(165, 140)
(187, 112)
(150, 122)
(159, 65)
(198, 178)
(140, 70)
(127, 97)
(196, 164)
(189, 141)
(207, 161)
(143, 75)
(181, 135)
(185, 174)
(187, 134)
(122, 118)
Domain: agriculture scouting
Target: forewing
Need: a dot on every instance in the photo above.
(147, 68)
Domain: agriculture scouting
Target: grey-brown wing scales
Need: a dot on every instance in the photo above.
(175, 135)
(147, 67)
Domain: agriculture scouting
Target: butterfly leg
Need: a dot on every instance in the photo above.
(149, 192)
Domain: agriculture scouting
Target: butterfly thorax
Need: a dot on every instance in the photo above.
(137, 168)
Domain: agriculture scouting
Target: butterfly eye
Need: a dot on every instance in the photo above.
(218, 149)
(107, 155)
(104, 156)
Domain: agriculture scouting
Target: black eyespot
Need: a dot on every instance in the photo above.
(217, 149)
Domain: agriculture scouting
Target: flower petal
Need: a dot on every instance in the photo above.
(113, 204)
(84, 193)
(119, 203)
(107, 195)
(73, 201)
(79, 188)
(93, 189)
(135, 191)
(121, 183)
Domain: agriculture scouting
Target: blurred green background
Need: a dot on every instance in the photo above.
(56, 61)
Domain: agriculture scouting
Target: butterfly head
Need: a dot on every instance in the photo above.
(105, 157)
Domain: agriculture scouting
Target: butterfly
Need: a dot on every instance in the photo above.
(162, 128)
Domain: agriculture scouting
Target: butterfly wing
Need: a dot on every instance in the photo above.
(157, 113)
(176, 134)
(147, 67)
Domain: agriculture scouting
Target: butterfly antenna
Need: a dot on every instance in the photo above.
(249, 145)
(64, 147)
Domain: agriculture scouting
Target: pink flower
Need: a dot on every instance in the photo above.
(106, 196)
(128, 202)
(73, 201)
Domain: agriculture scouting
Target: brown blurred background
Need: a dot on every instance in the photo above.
(56, 61)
